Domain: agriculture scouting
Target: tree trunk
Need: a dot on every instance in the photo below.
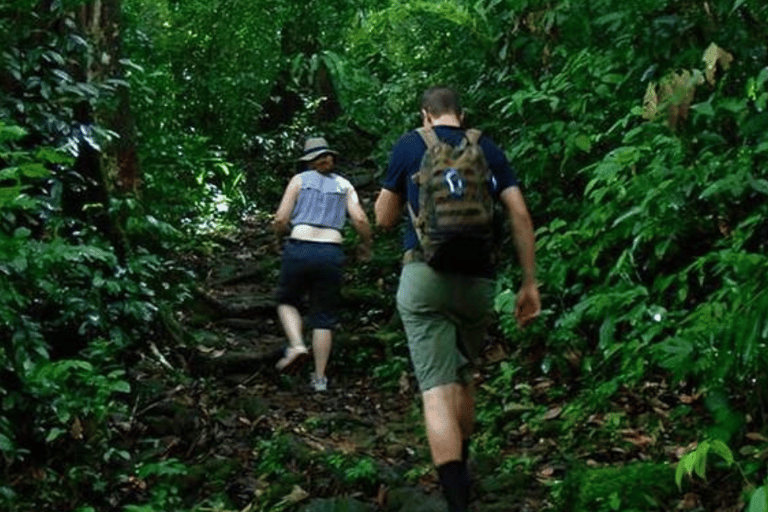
(115, 166)
(102, 21)
(330, 108)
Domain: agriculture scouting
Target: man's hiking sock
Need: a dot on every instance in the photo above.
(455, 480)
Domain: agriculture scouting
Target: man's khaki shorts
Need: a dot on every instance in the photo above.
(445, 318)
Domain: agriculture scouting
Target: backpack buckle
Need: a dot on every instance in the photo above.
(454, 181)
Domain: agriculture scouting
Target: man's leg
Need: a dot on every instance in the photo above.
(443, 420)
(422, 298)
(446, 421)
(465, 405)
(472, 311)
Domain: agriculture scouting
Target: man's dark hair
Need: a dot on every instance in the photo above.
(440, 100)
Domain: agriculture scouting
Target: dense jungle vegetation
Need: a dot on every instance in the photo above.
(144, 145)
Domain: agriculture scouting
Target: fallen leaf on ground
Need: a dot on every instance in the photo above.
(296, 495)
(545, 473)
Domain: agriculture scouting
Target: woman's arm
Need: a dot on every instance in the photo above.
(359, 221)
(283, 215)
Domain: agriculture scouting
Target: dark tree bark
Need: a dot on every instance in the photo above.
(330, 108)
(114, 167)
(102, 21)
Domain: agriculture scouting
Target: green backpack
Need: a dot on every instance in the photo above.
(455, 224)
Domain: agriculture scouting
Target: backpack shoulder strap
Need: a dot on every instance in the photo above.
(473, 135)
(417, 224)
(428, 136)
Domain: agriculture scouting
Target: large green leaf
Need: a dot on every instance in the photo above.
(11, 133)
(758, 502)
(9, 195)
(34, 170)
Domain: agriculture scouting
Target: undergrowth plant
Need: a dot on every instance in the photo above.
(673, 272)
(354, 470)
(71, 307)
(696, 461)
(636, 487)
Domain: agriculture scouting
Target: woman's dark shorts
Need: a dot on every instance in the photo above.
(313, 268)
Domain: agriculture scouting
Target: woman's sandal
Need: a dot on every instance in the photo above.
(294, 360)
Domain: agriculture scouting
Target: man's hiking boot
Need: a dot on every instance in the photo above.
(294, 359)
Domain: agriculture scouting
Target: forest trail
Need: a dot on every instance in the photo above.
(272, 443)
(349, 448)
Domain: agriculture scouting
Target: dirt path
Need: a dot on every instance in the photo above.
(269, 435)
(269, 442)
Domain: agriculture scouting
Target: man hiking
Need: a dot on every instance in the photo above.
(447, 178)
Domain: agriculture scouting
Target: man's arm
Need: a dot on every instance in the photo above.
(388, 208)
(359, 221)
(528, 300)
(522, 229)
(284, 211)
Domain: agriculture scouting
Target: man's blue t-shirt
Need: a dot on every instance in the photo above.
(406, 160)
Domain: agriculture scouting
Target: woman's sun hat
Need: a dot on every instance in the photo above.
(314, 147)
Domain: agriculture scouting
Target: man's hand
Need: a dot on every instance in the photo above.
(528, 305)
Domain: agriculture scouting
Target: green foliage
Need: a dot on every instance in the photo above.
(496, 392)
(658, 255)
(70, 307)
(69, 312)
(44, 77)
(162, 478)
(205, 192)
(696, 461)
(232, 50)
(53, 291)
(353, 470)
(273, 454)
(634, 487)
(395, 363)
(758, 502)
(389, 373)
(75, 388)
(22, 169)
(393, 52)
(652, 242)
